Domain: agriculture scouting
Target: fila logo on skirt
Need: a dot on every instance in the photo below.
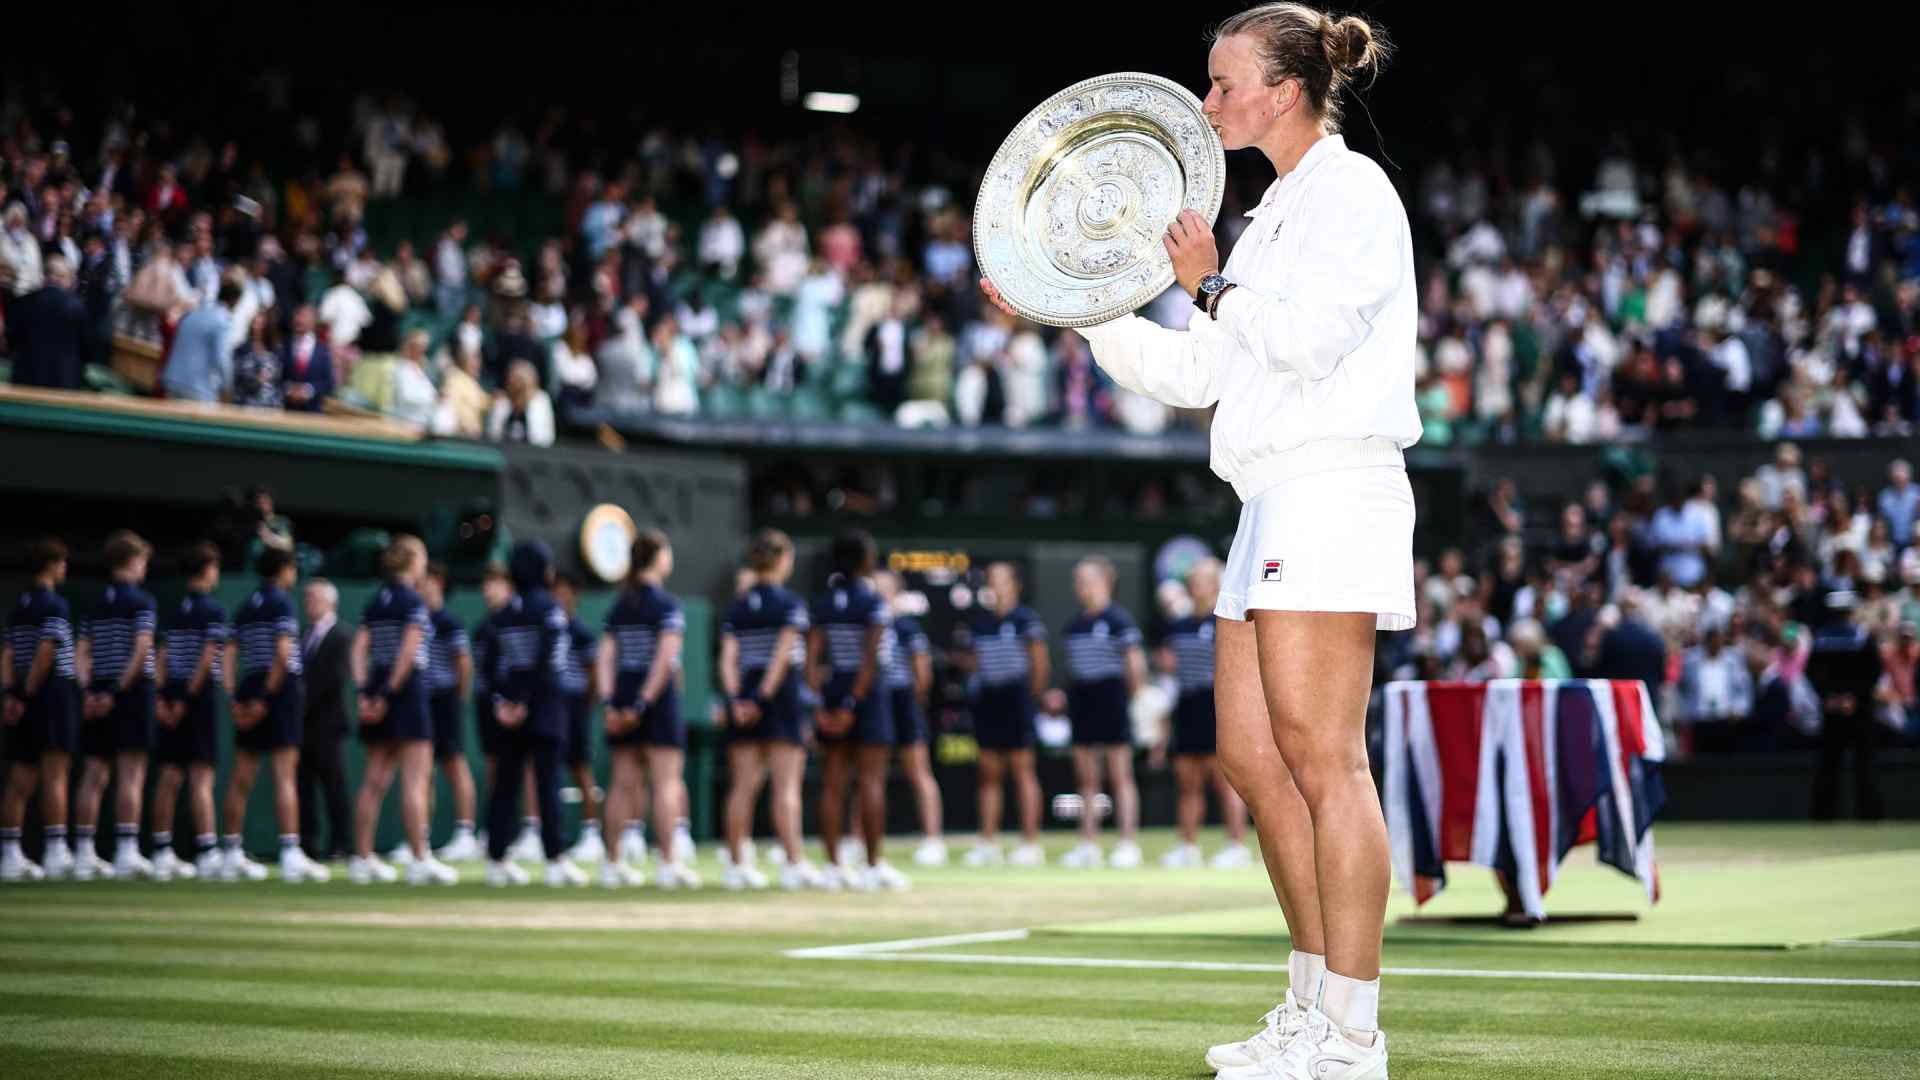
(1270, 570)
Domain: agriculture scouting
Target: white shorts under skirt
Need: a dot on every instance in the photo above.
(1340, 540)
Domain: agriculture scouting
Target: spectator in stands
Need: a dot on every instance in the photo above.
(1682, 537)
(515, 344)
(347, 192)
(306, 365)
(781, 250)
(573, 367)
(1716, 691)
(885, 353)
(676, 390)
(1899, 503)
(1629, 648)
(199, 368)
(256, 366)
(20, 264)
(625, 361)
(523, 414)
(414, 396)
(450, 270)
(723, 244)
(1844, 668)
(464, 403)
(49, 330)
(346, 314)
(1536, 657)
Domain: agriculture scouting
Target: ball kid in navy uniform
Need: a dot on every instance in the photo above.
(762, 652)
(577, 687)
(646, 733)
(1195, 766)
(1106, 664)
(187, 745)
(909, 678)
(116, 653)
(263, 658)
(496, 592)
(449, 682)
(849, 649)
(41, 715)
(1010, 667)
(390, 667)
(530, 643)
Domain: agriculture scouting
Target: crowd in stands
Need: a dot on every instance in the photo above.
(830, 278)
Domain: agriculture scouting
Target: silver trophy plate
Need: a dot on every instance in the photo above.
(1072, 210)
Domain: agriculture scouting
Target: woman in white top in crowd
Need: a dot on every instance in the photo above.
(523, 413)
(1305, 341)
(414, 395)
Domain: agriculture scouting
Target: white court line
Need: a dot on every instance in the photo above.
(900, 951)
(1855, 943)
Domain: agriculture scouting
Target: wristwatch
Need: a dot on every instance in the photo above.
(1210, 286)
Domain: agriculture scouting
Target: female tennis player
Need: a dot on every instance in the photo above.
(1305, 341)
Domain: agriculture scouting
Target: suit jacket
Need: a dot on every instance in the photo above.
(319, 375)
(49, 330)
(326, 683)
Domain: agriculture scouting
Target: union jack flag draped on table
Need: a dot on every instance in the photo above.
(1512, 774)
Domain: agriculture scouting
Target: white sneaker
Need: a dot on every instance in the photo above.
(129, 865)
(1126, 856)
(1181, 857)
(431, 871)
(739, 878)
(853, 852)
(527, 847)
(1284, 1023)
(589, 848)
(884, 878)
(835, 878)
(1231, 857)
(617, 875)
(401, 856)
(1027, 855)
(505, 873)
(1319, 1052)
(801, 875)
(209, 864)
(1085, 855)
(776, 855)
(167, 866)
(930, 853)
(464, 847)
(17, 867)
(87, 865)
(383, 872)
(984, 855)
(684, 849)
(296, 867)
(236, 866)
(561, 873)
(633, 848)
(360, 871)
(57, 862)
(676, 875)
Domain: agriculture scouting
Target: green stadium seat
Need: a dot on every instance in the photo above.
(764, 404)
(723, 402)
(860, 412)
(809, 403)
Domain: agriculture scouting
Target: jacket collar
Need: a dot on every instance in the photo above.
(1320, 151)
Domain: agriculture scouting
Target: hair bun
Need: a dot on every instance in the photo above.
(1349, 44)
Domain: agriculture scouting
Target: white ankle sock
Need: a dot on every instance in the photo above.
(1305, 971)
(1353, 1004)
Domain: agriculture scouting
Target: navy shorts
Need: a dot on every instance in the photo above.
(579, 730)
(51, 724)
(1099, 713)
(781, 720)
(485, 725)
(660, 725)
(283, 724)
(1003, 717)
(872, 718)
(407, 718)
(449, 728)
(909, 723)
(127, 728)
(195, 740)
(1193, 723)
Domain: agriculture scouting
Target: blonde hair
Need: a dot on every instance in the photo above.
(401, 554)
(1295, 41)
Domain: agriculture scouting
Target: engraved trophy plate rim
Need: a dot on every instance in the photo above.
(1020, 282)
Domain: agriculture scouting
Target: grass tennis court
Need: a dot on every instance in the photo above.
(216, 981)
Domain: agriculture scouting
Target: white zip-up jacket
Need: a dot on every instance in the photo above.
(1311, 359)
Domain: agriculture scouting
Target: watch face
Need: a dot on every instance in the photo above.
(606, 542)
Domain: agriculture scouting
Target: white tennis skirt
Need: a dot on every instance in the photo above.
(1340, 540)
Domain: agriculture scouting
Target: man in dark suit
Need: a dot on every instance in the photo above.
(1631, 649)
(49, 330)
(306, 365)
(323, 648)
(1844, 668)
